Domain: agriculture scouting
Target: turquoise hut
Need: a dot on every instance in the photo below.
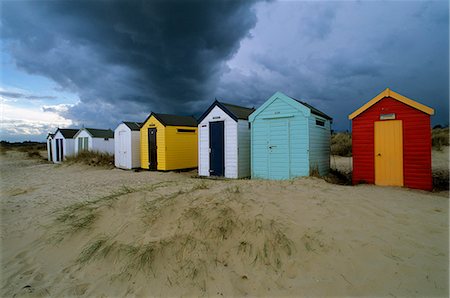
(289, 138)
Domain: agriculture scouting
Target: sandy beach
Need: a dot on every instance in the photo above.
(86, 231)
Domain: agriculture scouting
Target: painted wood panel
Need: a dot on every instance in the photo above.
(293, 137)
(152, 122)
(181, 148)
(83, 134)
(231, 140)
(243, 136)
(130, 143)
(416, 143)
(389, 153)
(319, 144)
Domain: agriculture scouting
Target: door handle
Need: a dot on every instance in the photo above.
(270, 147)
(379, 154)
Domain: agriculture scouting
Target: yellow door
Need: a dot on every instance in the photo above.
(389, 153)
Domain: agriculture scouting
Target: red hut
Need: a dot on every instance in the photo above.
(391, 140)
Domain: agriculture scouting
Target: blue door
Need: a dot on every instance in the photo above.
(216, 148)
(278, 149)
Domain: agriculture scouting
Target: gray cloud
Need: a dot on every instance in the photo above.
(125, 58)
(122, 55)
(339, 63)
(18, 95)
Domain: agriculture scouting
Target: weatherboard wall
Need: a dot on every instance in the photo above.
(280, 122)
(319, 144)
(152, 122)
(68, 146)
(49, 149)
(231, 143)
(176, 146)
(416, 143)
(127, 149)
(83, 134)
(243, 136)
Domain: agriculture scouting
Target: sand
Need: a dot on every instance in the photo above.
(84, 231)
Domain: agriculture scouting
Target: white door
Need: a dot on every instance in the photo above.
(123, 154)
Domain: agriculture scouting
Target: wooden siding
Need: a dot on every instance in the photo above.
(243, 136)
(231, 151)
(416, 143)
(319, 144)
(132, 145)
(83, 134)
(296, 135)
(180, 147)
(160, 143)
(135, 149)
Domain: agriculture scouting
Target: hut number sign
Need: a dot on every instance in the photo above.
(387, 116)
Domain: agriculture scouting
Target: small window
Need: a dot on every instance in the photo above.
(106, 139)
(249, 125)
(186, 130)
(320, 122)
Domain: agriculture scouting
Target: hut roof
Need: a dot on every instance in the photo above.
(389, 93)
(234, 111)
(133, 125)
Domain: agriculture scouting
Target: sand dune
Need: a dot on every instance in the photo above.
(75, 230)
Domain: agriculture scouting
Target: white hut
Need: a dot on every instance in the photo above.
(127, 151)
(224, 141)
(63, 143)
(50, 146)
(92, 139)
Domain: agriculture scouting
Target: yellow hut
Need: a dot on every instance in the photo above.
(169, 142)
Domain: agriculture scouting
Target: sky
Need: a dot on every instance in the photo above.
(96, 63)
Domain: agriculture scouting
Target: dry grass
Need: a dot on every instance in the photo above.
(81, 216)
(92, 158)
(439, 138)
(32, 149)
(210, 230)
(341, 144)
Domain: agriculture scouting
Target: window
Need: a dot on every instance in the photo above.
(249, 125)
(82, 144)
(320, 122)
(186, 130)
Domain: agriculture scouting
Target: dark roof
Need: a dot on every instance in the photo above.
(133, 125)
(174, 120)
(67, 133)
(234, 111)
(313, 109)
(50, 135)
(100, 133)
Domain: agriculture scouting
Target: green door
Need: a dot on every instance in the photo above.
(278, 149)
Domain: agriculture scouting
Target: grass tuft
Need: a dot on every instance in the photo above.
(92, 158)
(341, 144)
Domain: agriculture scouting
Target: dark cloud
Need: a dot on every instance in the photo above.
(124, 58)
(354, 52)
(18, 95)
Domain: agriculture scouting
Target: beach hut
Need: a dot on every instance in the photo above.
(289, 138)
(50, 146)
(63, 143)
(127, 150)
(224, 141)
(168, 142)
(93, 139)
(391, 142)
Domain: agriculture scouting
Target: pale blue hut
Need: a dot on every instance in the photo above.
(289, 138)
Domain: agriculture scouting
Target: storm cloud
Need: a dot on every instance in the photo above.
(124, 58)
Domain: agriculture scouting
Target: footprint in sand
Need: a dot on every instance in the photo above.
(80, 289)
(38, 277)
(291, 270)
